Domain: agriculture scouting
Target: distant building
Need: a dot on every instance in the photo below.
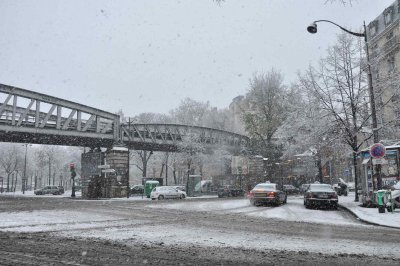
(236, 109)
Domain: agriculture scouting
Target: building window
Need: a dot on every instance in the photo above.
(374, 51)
(391, 64)
(389, 36)
(388, 15)
(373, 28)
(376, 74)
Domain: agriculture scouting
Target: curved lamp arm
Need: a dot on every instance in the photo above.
(313, 28)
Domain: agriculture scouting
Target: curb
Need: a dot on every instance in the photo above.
(366, 221)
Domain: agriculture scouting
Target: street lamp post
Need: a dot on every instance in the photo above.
(312, 28)
(24, 178)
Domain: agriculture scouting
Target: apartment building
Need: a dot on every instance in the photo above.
(384, 45)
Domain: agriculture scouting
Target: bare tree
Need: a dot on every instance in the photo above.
(48, 156)
(265, 111)
(140, 159)
(340, 87)
(10, 161)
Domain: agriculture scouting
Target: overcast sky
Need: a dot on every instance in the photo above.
(146, 56)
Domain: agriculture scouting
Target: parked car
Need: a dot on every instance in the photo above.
(267, 194)
(230, 191)
(137, 189)
(304, 188)
(321, 195)
(351, 186)
(50, 190)
(290, 189)
(167, 192)
(182, 188)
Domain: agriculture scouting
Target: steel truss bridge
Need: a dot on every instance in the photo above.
(31, 117)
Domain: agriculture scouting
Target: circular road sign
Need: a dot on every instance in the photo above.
(378, 151)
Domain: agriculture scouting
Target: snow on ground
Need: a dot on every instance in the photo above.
(294, 210)
(210, 237)
(30, 193)
(93, 224)
(371, 215)
(60, 220)
(78, 195)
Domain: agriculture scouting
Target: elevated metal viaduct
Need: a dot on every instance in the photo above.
(32, 117)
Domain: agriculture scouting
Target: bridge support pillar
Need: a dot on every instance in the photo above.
(118, 159)
(105, 174)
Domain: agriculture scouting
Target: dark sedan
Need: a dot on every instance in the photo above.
(230, 191)
(267, 194)
(138, 189)
(289, 189)
(321, 195)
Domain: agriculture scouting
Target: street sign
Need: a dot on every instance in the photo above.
(379, 161)
(378, 151)
(108, 171)
(105, 166)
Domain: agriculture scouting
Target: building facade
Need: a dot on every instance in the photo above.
(384, 45)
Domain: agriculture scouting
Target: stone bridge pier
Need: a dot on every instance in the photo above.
(105, 174)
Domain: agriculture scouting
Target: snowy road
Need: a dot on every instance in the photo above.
(204, 224)
(294, 210)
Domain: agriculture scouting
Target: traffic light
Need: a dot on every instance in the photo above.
(72, 169)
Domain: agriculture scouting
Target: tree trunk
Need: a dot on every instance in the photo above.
(162, 170)
(8, 182)
(49, 172)
(319, 165)
(15, 183)
(174, 173)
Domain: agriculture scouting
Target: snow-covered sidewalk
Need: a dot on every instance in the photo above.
(370, 215)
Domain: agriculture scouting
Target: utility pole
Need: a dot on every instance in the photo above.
(24, 179)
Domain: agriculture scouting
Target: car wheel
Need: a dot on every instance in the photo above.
(182, 196)
(161, 197)
(335, 207)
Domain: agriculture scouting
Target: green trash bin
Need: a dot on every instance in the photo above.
(148, 187)
(380, 200)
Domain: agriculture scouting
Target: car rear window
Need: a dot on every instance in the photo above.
(320, 187)
(265, 186)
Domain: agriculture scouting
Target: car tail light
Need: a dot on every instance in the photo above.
(251, 194)
(271, 194)
(309, 195)
(334, 195)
